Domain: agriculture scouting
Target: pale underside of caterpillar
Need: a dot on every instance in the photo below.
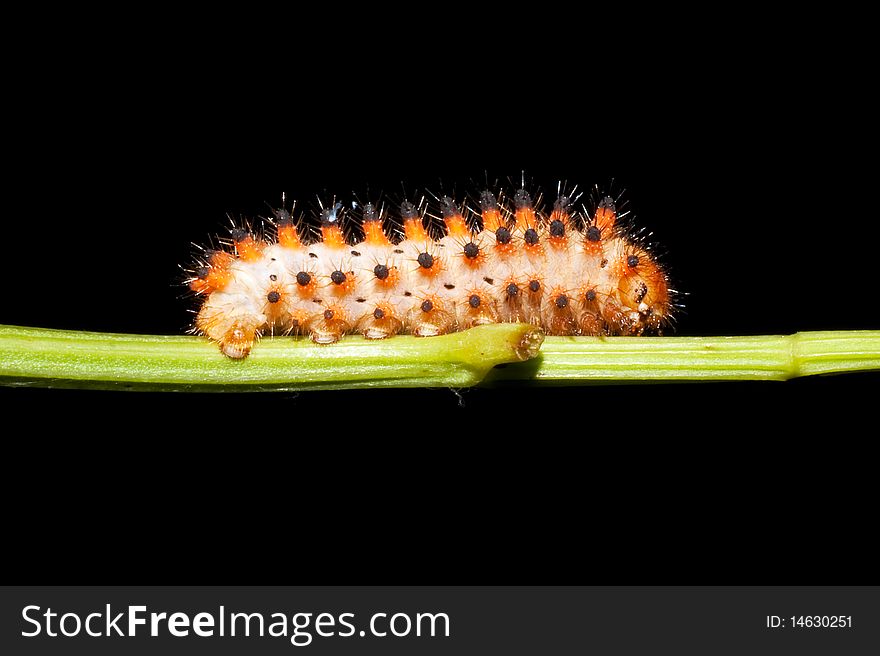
(570, 271)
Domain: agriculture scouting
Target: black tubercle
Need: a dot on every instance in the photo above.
(408, 210)
(562, 204)
(534, 285)
(512, 289)
(447, 206)
(427, 306)
(522, 199)
(328, 314)
(303, 278)
(488, 201)
(557, 228)
(273, 297)
(474, 301)
(332, 215)
(202, 272)
(632, 261)
(608, 203)
(370, 213)
(502, 235)
(381, 271)
(591, 295)
(593, 233)
(282, 217)
(239, 235)
(471, 250)
(531, 236)
(425, 260)
(379, 313)
(338, 277)
(561, 301)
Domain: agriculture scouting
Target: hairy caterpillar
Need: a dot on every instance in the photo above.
(493, 258)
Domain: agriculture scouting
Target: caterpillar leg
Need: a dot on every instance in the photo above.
(234, 333)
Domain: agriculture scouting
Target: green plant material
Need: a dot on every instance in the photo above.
(62, 358)
(58, 358)
(580, 360)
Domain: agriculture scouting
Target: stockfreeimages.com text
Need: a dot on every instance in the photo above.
(301, 628)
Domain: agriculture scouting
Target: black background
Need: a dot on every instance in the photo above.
(125, 149)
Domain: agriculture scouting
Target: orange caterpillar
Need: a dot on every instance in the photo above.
(571, 273)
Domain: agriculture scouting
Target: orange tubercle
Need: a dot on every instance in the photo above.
(456, 226)
(332, 236)
(249, 249)
(415, 230)
(492, 220)
(605, 216)
(288, 236)
(374, 235)
(525, 218)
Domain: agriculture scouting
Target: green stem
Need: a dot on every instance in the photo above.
(57, 358)
(60, 358)
(579, 360)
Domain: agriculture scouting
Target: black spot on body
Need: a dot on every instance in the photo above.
(361, 299)
(427, 306)
(273, 297)
(603, 264)
(474, 301)
(356, 253)
(313, 255)
(557, 228)
(641, 292)
(381, 271)
(425, 260)
(317, 300)
(303, 278)
(449, 285)
(273, 277)
(593, 233)
(407, 293)
(531, 236)
(471, 250)
(337, 277)
(632, 261)
(489, 281)
(398, 251)
(502, 235)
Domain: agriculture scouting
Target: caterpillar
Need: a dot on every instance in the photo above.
(432, 269)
